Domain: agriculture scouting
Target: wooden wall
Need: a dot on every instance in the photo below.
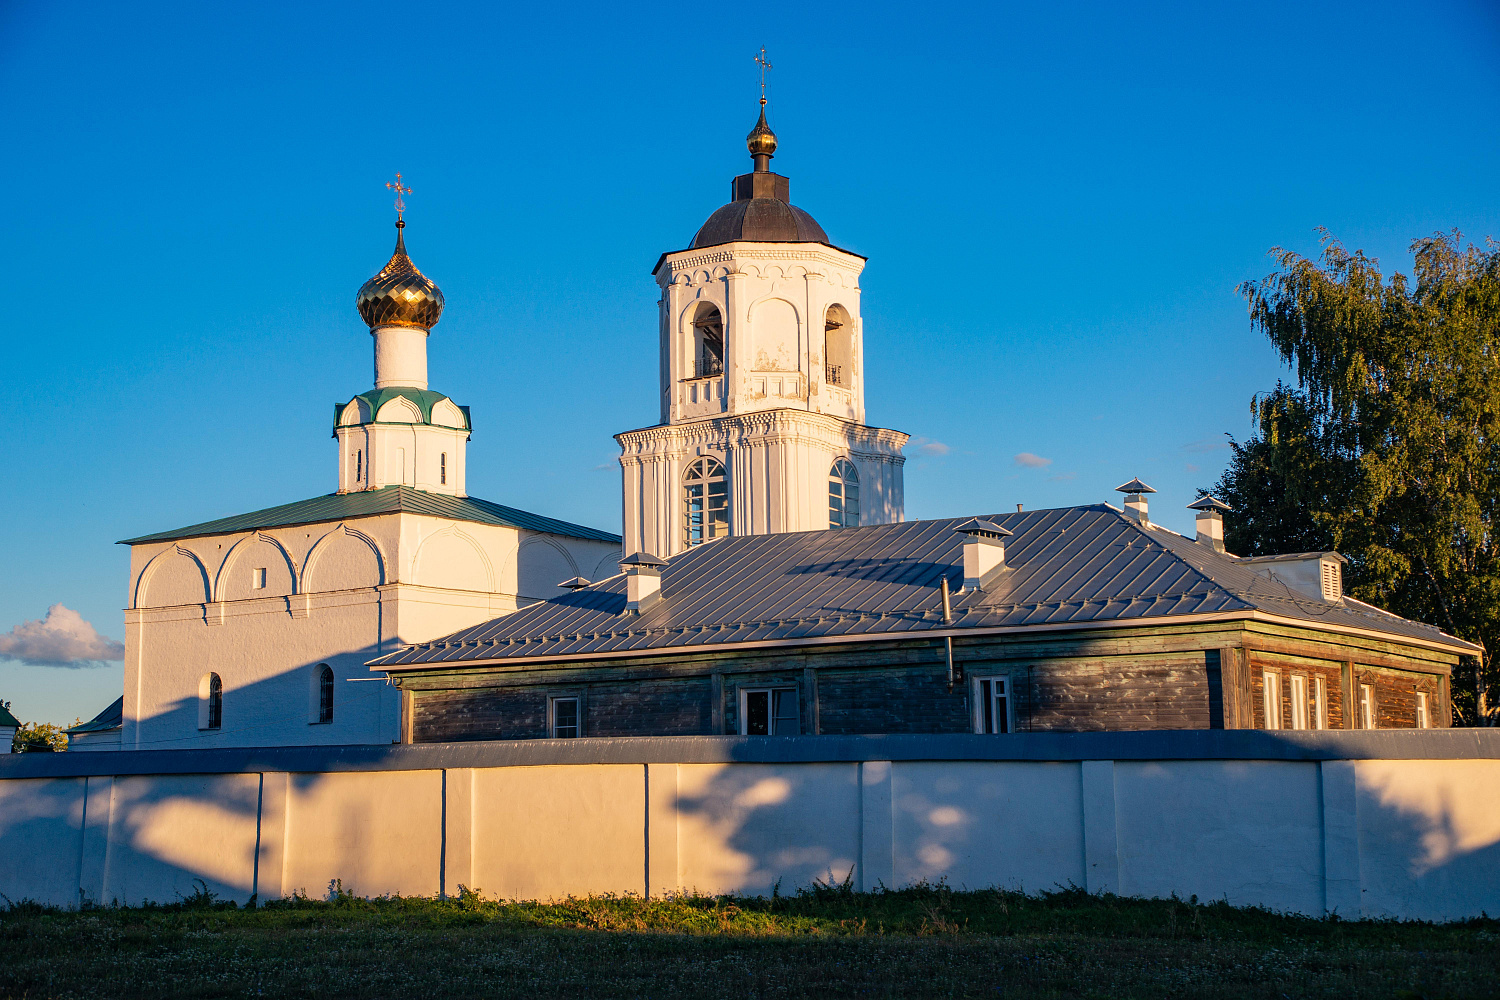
(1178, 677)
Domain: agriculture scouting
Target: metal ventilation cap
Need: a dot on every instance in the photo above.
(983, 528)
(644, 560)
(575, 583)
(1209, 502)
(1134, 486)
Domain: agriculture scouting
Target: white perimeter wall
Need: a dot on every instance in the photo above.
(1374, 838)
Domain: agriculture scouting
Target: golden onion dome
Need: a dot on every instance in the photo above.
(400, 295)
(761, 140)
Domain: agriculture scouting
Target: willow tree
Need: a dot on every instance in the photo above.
(1387, 449)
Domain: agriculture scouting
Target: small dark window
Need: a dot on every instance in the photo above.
(215, 702)
(443, 469)
(994, 705)
(771, 713)
(359, 466)
(325, 694)
(565, 718)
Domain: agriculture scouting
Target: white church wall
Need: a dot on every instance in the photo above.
(1396, 824)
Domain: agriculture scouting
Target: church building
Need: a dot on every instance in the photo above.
(771, 585)
(253, 630)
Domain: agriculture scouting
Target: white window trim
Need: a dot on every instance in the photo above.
(552, 701)
(1271, 698)
(1320, 702)
(770, 692)
(1424, 716)
(1367, 718)
(977, 701)
(1300, 699)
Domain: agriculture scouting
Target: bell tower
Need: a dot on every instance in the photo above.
(762, 382)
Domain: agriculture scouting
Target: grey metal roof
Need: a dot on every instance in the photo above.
(1069, 565)
(112, 717)
(389, 500)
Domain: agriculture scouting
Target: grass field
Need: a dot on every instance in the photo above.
(828, 942)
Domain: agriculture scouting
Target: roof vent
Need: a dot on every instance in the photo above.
(1315, 574)
(1210, 520)
(984, 552)
(575, 583)
(1135, 499)
(642, 581)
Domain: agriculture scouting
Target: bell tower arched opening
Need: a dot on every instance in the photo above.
(708, 341)
(838, 347)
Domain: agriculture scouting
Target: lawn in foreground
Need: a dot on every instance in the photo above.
(826, 942)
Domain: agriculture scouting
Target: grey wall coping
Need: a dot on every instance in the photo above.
(1193, 744)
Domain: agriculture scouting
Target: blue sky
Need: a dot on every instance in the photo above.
(1057, 201)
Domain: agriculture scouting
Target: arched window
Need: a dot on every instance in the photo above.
(843, 495)
(210, 702)
(706, 501)
(325, 693)
(708, 341)
(443, 469)
(838, 347)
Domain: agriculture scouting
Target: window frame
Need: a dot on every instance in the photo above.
(1301, 699)
(1424, 714)
(258, 577)
(210, 702)
(323, 693)
(1320, 702)
(1270, 685)
(442, 468)
(837, 477)
(983, 702)
(552, 725)
(1367, 717)
(700, 472)
(771, 691)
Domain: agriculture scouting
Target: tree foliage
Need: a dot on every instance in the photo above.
(1388, 447)
(39, 737)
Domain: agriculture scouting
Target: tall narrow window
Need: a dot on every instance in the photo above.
(359, 466)
(443, 469)
(843, 495)
(838, 347)
(993, 706)
(769, 712)
(1320, 703)
(1367, 706)
(210, 702)
(565, 718)
(1271, 690)
(1299, 701)
(325, 693)
(705, 502)
(1422, 720)
(708, 342)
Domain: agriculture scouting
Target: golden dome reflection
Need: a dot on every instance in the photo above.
(761, 140)
(400, 295)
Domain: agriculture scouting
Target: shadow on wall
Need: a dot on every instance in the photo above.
(282, 710)
(1413, 838)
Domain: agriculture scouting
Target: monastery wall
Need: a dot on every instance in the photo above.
(1371, 824)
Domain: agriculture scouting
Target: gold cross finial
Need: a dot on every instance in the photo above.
(765, 64)
(396, 187)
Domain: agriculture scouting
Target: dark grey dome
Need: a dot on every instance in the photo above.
(759, 220)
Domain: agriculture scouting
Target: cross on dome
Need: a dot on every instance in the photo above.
(396, 187)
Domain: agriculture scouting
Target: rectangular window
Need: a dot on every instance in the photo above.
(258, 579)
(565, 718)
(1272, 692)
(1299, 701)
(769, 712)
(1422, 722)
(1367, 706)
(443, 469)
(992, 705)
(1320, 703)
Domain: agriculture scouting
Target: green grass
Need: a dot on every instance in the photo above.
(825, 942)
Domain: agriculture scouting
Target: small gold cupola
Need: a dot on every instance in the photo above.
(762, 141)
(400, 295)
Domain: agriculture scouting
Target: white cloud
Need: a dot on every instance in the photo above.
(927, 446)
(62, 639)
(1031, 461)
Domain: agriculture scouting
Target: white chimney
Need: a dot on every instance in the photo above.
(984, 552)
(642, 581)
(1135, 499)
(1210, 520)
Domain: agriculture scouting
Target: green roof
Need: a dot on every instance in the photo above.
(425, 399)
(112, 717)
(387, 500)
(6, 719)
